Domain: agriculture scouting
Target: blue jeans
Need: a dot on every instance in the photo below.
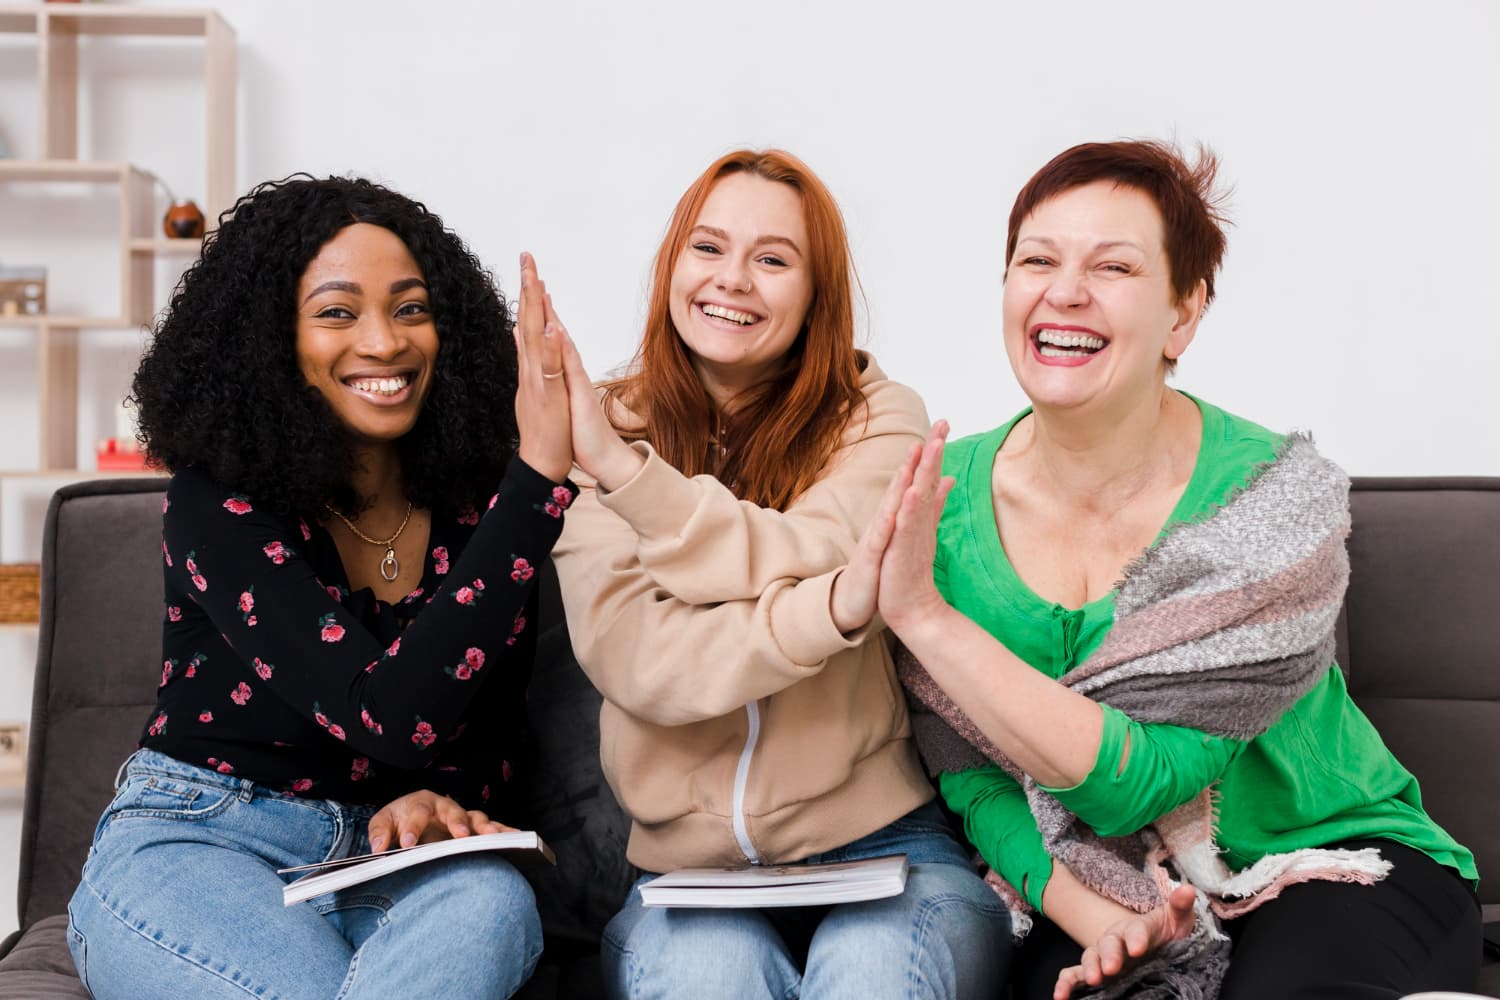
(948, 935)
(180, 898)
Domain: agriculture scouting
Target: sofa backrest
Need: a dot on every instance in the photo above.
(98, 654)
(1420, 641)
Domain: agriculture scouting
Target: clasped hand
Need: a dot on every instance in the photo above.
(891, 568)
(557, 409)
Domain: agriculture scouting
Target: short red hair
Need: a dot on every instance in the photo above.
(782, 433)
(1192, 215)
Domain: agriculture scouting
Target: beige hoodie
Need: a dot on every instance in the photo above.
(738, 722)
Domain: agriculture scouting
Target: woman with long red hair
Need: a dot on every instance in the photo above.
(750, 715)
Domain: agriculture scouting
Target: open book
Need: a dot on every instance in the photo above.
(330, 875)
(779, 885)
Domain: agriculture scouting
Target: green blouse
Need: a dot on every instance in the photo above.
(1319, 775)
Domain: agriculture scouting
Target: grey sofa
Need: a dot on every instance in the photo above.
(1417, 640)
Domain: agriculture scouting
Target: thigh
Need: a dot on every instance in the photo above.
(464, 926)
(1417, 929)
(946, 936)
(672, 952)
(176, 900)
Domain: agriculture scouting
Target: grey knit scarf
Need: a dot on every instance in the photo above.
(1221, 626)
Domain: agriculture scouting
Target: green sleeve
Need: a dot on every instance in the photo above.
(1167, 766)
(999, 824)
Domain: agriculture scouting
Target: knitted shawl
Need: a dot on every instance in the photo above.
(1221, 626)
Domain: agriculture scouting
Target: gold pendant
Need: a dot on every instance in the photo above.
(389, 567)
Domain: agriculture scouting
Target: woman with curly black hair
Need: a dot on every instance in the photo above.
(362, 457)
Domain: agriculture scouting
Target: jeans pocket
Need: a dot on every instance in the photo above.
(172, 797)
(78, 946)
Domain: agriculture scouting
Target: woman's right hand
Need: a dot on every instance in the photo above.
(423, 816)
(1128, 941)
(542, 416)
(597, 446)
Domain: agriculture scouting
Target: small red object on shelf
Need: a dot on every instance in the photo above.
(115, 455)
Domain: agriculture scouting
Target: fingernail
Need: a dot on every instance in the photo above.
(461, 830)
(408, 839)
(377, 844)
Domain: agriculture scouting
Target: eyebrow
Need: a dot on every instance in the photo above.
(762, 241)
(1047, 241)
(397, 287)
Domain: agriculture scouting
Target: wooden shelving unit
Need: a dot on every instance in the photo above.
(58, 28)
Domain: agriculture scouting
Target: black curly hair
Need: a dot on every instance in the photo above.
(219, 387)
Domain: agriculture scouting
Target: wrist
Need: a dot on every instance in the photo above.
(554, 469)
(617, 466)
(920, 618)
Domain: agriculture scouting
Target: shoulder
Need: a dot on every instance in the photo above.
(1235, 440)
(192, 494)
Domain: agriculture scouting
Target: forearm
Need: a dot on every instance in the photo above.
(1050, 732)
(1082, 913)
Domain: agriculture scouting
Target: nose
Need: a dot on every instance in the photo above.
(733, 275)
(1068, 289)
(379, 338)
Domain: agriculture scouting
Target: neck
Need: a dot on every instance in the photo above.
(377, 479)
(1102, 460)
(724, 384)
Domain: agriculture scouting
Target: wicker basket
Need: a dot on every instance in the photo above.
(20, 592)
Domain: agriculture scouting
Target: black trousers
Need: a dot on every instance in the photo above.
(1417, 929)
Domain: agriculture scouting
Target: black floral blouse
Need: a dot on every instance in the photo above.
(274, 671)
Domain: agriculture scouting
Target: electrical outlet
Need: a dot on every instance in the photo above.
(12, 754)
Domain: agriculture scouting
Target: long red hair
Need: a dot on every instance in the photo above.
(781, 433)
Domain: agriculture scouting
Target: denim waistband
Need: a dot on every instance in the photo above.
(145, 761)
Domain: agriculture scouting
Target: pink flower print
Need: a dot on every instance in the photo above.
(277, 552)
(551, 509)
(263, 669)
(409, 598)
(395, 647)
(191, 566)
(335, 593)
(474, 657)
(516, 628)
(484, 794)
(158, 725)
(192, 668)
(205, 716)
(336, 731)
(423, 735)
(521, 570)
(505, 770)
(478, 584)
(359, 769)
(562, 496)
(251, 621)
(247, 600)
(465, 595)
(462, 672)
(240, 694)
(493, 500)
(302, 785)
(440, 560)
(238, 506)
(332, 631)
(468, 516)
(371, 668)
(167, 666)
(222, 766)
(174, 613)
(306, 531)
(200, 582)
(164, 553)
(370, 724)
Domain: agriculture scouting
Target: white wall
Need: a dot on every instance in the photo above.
(1360, 138)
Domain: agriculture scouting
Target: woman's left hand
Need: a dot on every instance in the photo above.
(1128, 941)
(907, 591)
(597, 446)
(424, 816)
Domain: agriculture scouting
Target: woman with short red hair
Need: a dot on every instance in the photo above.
(749, 715)
(1121, 629)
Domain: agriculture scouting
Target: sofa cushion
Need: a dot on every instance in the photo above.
(39, 966)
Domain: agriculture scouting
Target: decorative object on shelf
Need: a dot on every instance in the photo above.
(23, 291)
(183, 221)
(121, 455)
(20, 592)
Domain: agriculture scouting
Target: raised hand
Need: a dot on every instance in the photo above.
(856, 591)
(907, 589)
(597, 447)
(1128, 941)
(424, 816)
(542, 417)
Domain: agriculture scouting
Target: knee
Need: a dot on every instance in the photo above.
(488, 905)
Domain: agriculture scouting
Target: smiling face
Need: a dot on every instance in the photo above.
(741, 286)
(365, 334)
(1090, 313)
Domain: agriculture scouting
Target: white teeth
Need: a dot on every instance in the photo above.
(733, 315)
(1057, 339)
(381, 386)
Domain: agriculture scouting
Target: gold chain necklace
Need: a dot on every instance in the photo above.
(389, 567)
